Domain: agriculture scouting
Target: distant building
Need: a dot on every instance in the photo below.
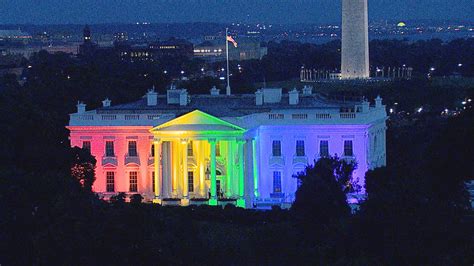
(120, 37)
(88, 47)
(15, 36)
(173, 48)
(213, 49)
(181, 149)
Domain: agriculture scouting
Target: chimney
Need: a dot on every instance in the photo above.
(294, 97)
(365, 106)
(106, 102)
(152, 97)
(378, 102)
(172, 95)
(214, 91)
(272, 95)
(81, 107)
(183, 97)
(259, 97)
(307, 90)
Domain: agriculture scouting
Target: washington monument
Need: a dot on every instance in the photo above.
(355, 40)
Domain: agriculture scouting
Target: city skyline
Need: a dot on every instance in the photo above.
(247, 11)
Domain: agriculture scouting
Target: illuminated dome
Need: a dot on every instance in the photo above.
(401, 24)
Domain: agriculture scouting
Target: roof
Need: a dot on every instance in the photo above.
(199, 123)
(225, 106)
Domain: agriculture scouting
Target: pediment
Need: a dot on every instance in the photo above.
(197, 121)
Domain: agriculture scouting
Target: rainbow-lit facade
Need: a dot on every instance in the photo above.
(217, 149)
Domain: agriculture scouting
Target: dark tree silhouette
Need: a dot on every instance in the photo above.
(83, 167)
(321, 197)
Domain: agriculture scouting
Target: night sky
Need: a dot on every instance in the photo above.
(269, 11)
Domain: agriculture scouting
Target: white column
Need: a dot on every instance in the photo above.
(213, 199)
(184, 152)
(230, 169)
(158, 175)
(165, 172)
(174, 167)
(202, 168)
(241, 199)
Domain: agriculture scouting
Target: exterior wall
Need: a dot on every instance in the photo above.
(289, 164)
(377, 156)
(121, 136)
(355, 39)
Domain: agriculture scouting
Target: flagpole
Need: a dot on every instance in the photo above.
(227, 56)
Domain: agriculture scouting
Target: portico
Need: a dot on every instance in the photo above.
(203, 160)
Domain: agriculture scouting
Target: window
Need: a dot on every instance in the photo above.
(86, 145)
(276, 182)
(348, 148)
(218, 149)
(300, 148)
(133, 181)
(276, 148)
(191, 181)
(152, 150)
(324, 148)
(190, 148)
(110, 181)
(109, 149)
(132, 149)
(153, 181)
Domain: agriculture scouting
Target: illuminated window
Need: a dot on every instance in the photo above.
(109, 149)
(348, 151)
(191, 181)
(133, 181)
(276, 148)
(86, 145)
(132, 149)
(324, 148)
(300, 148)
(276, 182)
(110, 181)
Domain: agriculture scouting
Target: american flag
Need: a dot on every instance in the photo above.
(230, 39)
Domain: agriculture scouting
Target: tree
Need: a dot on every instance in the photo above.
(321, 196)
(118, 199)
(136, 199)
(83, 167)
